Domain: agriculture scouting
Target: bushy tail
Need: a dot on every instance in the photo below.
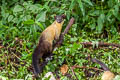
(35, 60)
(41, 51)
(101, 64)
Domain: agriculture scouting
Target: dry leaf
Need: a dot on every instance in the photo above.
(1, 47)
(64, 69)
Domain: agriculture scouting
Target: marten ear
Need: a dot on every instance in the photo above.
(63, 15)
(55, 17)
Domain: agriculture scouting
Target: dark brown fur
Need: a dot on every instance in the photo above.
(41, 51)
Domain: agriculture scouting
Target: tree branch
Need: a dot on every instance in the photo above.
(84, 67)
(100, 44)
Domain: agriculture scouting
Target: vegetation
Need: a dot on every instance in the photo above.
(21, 23)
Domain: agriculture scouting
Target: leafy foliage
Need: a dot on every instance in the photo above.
(21, 23)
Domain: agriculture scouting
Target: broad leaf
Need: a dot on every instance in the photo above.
(40, 25)
(72, 5)
(28, 22)
(18, 8)
(41, 17)
(89, 2)
(116, 11)
(10, 18)
(100, 22)
(81, 6)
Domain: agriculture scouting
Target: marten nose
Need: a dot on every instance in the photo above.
(59, 21)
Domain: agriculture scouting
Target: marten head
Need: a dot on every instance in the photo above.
(59, 18)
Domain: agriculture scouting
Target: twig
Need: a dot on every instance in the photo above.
(101, 44)
(69, 25)
(76, 66)
(72, 69)
(16, 56)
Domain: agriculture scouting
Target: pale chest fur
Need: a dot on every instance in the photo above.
(52, 32)
(58, 28)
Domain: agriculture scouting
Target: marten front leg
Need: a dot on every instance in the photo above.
(55, 41)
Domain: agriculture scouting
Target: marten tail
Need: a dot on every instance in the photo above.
(42, 51)
(35, 60)
(101, 64)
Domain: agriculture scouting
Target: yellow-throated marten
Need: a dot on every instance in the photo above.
(45, 45)
(107, 75)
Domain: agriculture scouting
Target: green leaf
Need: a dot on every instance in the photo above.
(81, 6)
(89, 2)
(5, 15)
(73, 39)
(18, 8)
(100, 22)
(27, 17)
(3, 78)
(92, 26)
(41, 17)
(116, 11)
(117, 77)
(110, 3)
(29, 22)
(10, 18)
(72, 5)
(108, 16)
(40, 25)
(94, 12)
